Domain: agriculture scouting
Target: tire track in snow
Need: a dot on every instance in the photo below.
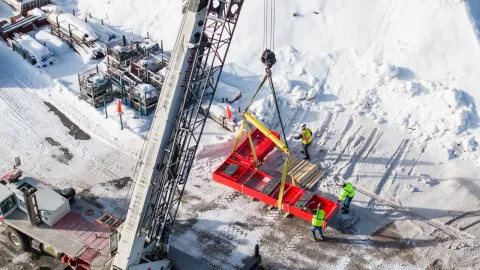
(449, 230)
(98, 130)
(17, 100)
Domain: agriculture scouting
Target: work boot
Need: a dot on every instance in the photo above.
(315, 239)
(345, 211)
(305, 158)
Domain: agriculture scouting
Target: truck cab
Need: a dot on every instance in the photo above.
(8, 202)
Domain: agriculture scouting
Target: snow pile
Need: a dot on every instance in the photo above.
(282, 84)
(41, 53)
(80, 27)
(53, 43)
(469, 144)
(312, 93)
(425, 109)
(298, 93)
(226, 92)
(147, 89)
(104, 32)
(37, 12)
(207, 149)
(50, 8)
(219, 109)
(264, 110)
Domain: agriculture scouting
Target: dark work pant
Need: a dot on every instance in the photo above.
(347, 202)
(305, 150)
(319, 229)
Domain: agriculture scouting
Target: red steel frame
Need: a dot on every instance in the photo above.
(251, 181)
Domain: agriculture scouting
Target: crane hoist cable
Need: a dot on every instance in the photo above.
(269, 25)
(268, 59)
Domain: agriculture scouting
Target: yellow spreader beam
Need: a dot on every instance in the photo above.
(251, 119)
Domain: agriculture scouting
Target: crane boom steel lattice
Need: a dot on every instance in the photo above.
(196, 65)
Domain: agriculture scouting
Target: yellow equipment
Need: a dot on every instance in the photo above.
(268, 58)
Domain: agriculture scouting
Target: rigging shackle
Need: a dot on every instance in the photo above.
(268, 58)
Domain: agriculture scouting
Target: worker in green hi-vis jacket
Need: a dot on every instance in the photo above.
(318, 220)
(346, 195)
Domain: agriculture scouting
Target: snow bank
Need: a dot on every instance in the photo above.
(37, 12)
(220, 109)
(102, 30)
(80, 27)
(40, 52)
(53, 43)
(425, 109)
(50, 8)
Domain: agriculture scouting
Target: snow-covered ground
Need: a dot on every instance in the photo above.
(389, 89)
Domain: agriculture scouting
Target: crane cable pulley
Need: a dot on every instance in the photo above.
(268, 59)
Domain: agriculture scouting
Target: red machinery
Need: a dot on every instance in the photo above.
(239, 173)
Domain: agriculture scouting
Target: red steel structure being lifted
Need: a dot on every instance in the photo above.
(238, 171)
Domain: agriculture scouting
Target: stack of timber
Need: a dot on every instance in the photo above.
(304, 173)
(31, 50)
(81, 37)
(19, 24)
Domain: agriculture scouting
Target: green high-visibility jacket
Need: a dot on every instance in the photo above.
(317, 219)
(307, 136)
(347, 191)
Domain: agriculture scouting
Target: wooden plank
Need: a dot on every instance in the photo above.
(293, 162)
(303, 171)
(304, 178)
(313, 176)
(297, 167)
(307, 167)
(316, 179)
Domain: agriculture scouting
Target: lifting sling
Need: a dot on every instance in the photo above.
(268, 58)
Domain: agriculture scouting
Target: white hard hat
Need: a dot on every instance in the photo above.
(304, 126)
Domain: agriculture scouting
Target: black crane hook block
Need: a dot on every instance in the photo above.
(268, 58)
